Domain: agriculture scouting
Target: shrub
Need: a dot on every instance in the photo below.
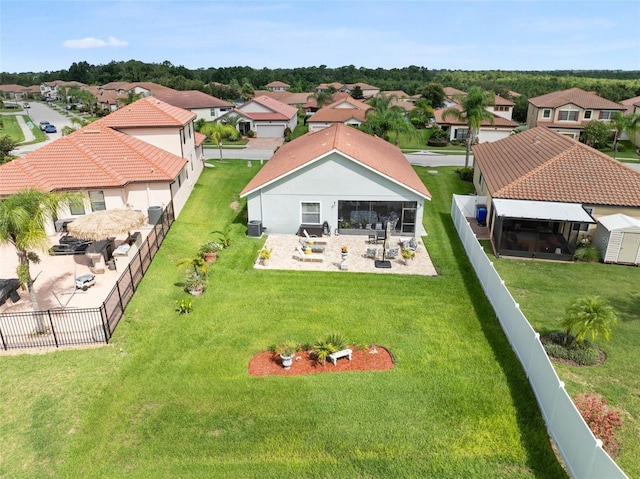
(251, 134)
(438, 134)
(602, 422)
(466, 174)
(324, 347)
(584, 353)
(587, 253)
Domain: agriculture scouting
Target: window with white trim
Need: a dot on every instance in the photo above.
(310, 212)
(546, 113)
(587, 115)
(97, 201)
(568, 115)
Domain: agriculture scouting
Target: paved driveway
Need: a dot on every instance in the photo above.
(41, 111)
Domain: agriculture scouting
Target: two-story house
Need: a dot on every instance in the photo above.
(567, 111)
(144, 154)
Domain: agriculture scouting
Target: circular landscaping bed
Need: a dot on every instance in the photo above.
(268, 363)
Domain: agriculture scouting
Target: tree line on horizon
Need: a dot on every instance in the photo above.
(231, 82)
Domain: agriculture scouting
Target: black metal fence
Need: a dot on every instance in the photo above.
(78, 326)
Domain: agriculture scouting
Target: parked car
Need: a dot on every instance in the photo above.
(43, 125)
(50, 129)
(25, 105)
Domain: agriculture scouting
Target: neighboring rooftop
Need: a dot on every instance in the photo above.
(93, 157)
(575, 96)
(540, 164)
(191, 99)
(147, 112)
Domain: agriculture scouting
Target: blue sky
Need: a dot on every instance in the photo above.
(466, 35)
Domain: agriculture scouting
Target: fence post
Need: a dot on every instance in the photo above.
(53, 331)
(105, 322)
(4, 343)
(133, 285)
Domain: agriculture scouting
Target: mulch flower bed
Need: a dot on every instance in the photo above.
(267, 363)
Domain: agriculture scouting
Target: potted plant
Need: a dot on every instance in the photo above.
(408, 255)
(196, 278)
(287, 350)
(265, 256)
(194, 283)
(345, 252)
(209, 251)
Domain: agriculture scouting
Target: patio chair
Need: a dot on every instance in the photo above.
(313, 239)
(302, 256)
(410, 244)
(372, 253)
(315, 248)
(392, 253)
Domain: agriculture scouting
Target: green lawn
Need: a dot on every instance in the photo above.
(171, 396)
(545, 289)
(10, 127)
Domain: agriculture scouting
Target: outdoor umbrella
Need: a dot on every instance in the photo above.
(104, 224)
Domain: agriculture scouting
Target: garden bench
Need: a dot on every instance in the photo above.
(345, 353)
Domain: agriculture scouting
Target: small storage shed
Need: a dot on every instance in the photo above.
(618, 239)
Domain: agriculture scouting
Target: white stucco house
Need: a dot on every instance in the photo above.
(265, 116)
(346, 111)
(339, 175)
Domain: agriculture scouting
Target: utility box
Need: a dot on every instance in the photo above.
(254, 229)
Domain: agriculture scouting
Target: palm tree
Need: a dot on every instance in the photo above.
(589, 316)
(473, 112)
(322, 98)
(22, 224)
(384, 118)
(421, 113)
(217, 131)
(621, 122)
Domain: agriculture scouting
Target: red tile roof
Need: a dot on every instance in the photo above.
(285, 97)
(280, 110)
(499, 101)
(341, 111)
(575, 96)
(93, 157)
(630, 103)
(369, 151)
(540, 164)
(198, 138)
(277, 83)
(148, 112)
(450, 91)
(191, 99)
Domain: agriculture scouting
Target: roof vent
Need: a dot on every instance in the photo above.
(90, 131)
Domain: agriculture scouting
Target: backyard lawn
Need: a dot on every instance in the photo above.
(545, 289)
(171, 395)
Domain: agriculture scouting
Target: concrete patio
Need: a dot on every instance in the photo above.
(283, 256)
(56, 274)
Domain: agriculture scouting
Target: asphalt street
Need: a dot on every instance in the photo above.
(39, 111)
(423, 158)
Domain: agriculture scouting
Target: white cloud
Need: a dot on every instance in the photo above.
(91, 42)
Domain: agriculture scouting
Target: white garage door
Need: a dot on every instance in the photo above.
(269, 131)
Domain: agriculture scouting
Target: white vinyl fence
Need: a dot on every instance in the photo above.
(582, 452)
